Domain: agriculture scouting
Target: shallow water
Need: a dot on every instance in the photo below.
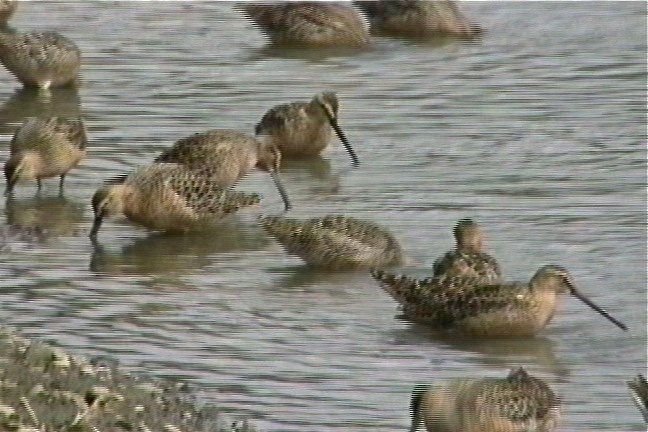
(538, 131)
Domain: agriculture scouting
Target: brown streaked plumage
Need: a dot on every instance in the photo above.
(228, 156)
(167, 197)
(418, 18)
(335, 241)
(312, 24)
(45, 147)
(517, 403)
(40, 59)
(468, 259)
(639, 391)
(301, 129)
(7, 9)
(502, 309)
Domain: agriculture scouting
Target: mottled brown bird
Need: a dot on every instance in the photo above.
(45, 147)
(7, 9)
(639, 391)
(517, 403)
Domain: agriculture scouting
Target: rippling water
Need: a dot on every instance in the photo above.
(538, 131)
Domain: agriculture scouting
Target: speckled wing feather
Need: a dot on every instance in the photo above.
(42, 133)
(73, 129)
(447, 300)
(470, 265)
(280, 117)
(209, 148)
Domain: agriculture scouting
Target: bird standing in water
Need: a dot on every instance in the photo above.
(310, 24)
(501, 309)
(228, 156)
(517, 403)
(45, 147)
(40, 59)
(468, 259)
(303, 129)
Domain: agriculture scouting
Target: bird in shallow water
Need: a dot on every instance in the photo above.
(7, 9)
(501, 309)
(309, 24)
(45, 147)
(302, 129)
(468, 259)
(40, 59)
(228, 156)
(335, 241)
(167, 197)
(639, 391)
(517, 403)
(418, 18)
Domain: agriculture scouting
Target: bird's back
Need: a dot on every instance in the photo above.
(50, 135)
(474, 265)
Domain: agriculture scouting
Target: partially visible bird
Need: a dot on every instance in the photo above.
(639, 391)
(501, 309)
(418, 18)
(45, 147)
(302, 129)
(468, 259)
(315, 24)
(336, 241)
(517, 403)
(167, 197)
(40, 59)
(228, 156)
(7, 9)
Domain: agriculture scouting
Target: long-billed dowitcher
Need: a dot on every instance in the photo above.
(502, 309)
(7, 9)
(639, 391)
(335, 241)
(45, 147)
(517, 403)
(228, 155)
(418, 18)
(468, 259)
(40, 59)
(167, 197)
(301, 129)
(320, 24)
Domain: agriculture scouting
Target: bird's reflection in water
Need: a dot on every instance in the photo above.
(314, 175)
(30, 102)
(309, 278)
(171, 254)
(500, 352)
(45, 217)
(308, 54)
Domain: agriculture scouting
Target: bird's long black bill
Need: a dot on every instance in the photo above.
(95, 226)
(599, 309)
(282, 191)
(338, 130)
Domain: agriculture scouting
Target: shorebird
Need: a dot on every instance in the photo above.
(517, 403)
(502, 309)
(301, 129)
(335, 241)
(639, 391)
(468, 259)
(418, 18)
(7, 9)
(228, 156)
(42, 60)
(167, 197)
(45, 147)
(315, 24)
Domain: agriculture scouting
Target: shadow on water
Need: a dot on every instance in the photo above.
(501, 352)
(46, 217)
(168, 254)
(305, 276)
(29, 102)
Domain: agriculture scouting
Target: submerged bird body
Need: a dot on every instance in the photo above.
(45, 147)
(7, 9)
(168, 197)
(303, 129)
(418, 18)
(315, 24)
(37, 59)
(335, 241)
(468, 259)
(517, 403)
(227, 156)
(467, 306)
